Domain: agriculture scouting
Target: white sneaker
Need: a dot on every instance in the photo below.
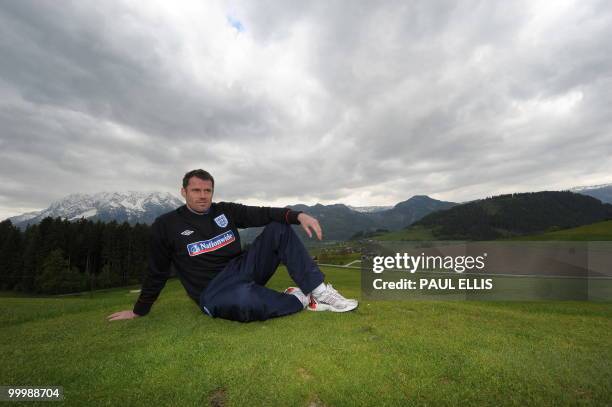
(299, 295)
(331, 300)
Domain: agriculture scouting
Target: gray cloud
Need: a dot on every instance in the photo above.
(366, 103)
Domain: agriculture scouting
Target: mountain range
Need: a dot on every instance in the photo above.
(339, 221)
(131, 207)
(602, 192)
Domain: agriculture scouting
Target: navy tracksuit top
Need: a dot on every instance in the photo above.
(200, 246)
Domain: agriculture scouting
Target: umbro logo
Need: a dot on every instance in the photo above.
(187, 232)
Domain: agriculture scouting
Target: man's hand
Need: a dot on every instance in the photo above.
(308, 222)
(129, 314)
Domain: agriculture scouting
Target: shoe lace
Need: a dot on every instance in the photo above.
(332, 295)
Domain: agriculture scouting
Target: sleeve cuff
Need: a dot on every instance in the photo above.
(141, 308)
(292, 217)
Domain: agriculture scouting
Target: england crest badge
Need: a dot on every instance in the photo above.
(221, 220)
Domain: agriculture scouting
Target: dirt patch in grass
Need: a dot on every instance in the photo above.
(304, 374)
(315, 401)
(218, 397)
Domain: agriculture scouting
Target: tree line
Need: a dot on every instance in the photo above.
(516, 215)
(58, 256)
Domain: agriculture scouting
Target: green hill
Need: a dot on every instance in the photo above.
(386, 353)
(600, 231)
(515, 215)
(412, 233)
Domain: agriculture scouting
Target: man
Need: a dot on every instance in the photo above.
(201, 240)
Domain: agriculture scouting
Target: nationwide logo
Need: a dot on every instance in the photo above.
(205, 246)
(187, 232)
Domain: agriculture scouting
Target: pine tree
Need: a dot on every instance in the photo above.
(57, 277)
(11, 259)
(31, 259)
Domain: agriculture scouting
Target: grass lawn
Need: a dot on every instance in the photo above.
(413, 233)
(384, 353)
(600, 231)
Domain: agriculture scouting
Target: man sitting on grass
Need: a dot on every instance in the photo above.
(201, 240)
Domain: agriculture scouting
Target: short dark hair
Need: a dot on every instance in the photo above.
(203, 175)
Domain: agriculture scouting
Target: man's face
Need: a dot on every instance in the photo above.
(198, 194)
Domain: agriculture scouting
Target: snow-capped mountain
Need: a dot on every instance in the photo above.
(132, 207)
(585, 188)
(370, 209)
(602, 192)
(24, 217)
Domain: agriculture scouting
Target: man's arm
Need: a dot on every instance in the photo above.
(160, 258)
(253, 216)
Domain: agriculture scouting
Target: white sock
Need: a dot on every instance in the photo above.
(303, 299)
(319, 290)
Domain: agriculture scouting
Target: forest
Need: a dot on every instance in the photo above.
(58, 256)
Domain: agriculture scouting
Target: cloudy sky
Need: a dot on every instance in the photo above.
(366, 103)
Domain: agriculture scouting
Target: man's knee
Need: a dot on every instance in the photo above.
(276, 233)
(278, 228)
(244, 305)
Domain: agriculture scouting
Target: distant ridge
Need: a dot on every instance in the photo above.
(602, 192)
(339, 221)
(515, 215)
(132, 207)
(369, 209)
(500, 216)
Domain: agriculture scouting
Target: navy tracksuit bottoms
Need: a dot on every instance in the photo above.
(238, 292)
